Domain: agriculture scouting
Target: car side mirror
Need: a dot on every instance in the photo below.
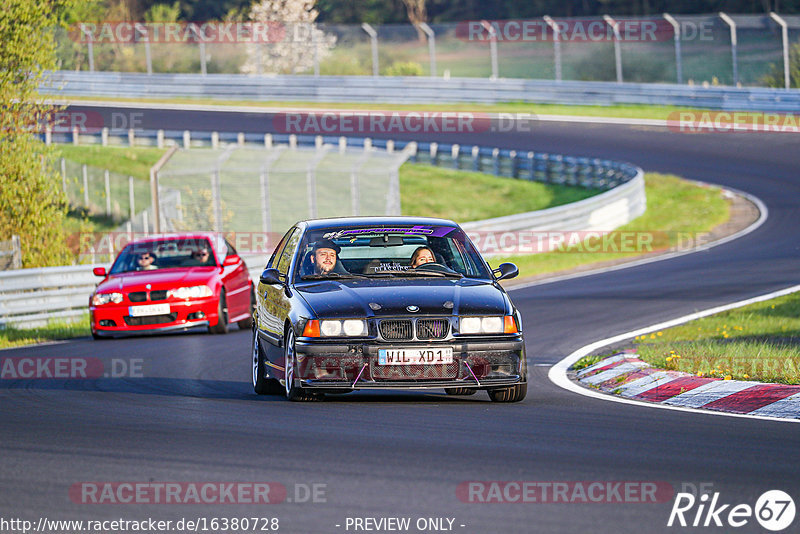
(506, 271)
(233, 259)
(271, 277)
(99, 271)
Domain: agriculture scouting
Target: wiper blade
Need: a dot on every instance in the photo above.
(440, 274)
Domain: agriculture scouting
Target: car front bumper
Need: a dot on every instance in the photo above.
(112, 320)
(479, 364)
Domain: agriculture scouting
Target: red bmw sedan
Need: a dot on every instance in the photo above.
(172, 283)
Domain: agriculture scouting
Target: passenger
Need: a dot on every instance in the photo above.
(201, 257)
(421, 256)
(324, 256)
(145, 261)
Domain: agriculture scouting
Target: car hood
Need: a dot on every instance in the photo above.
(158, 279)
(391, 297)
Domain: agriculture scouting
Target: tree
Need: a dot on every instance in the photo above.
(32, 204)
(294, 36)
(416, 14)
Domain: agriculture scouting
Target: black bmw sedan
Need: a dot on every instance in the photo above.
(385, 303)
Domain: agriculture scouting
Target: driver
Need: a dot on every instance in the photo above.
(422, 255)
(324, 256)
(144, 262)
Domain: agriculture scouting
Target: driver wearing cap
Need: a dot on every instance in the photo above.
(324, 256)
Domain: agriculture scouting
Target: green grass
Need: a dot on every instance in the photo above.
(55, 330)
(631, 111)
(129, 161)
(756, 342)
(470, 196)
(675, 208)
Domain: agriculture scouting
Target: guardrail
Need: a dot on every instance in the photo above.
(30, 297)
(412, 89)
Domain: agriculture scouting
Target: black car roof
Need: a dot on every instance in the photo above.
(317, 224)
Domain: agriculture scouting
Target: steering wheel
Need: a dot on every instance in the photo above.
(434, 267)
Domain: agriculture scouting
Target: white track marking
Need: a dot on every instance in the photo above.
(613, 372)
(646, 383)
(602, 363)
(788, 407)
(558, 373)
(709, 392)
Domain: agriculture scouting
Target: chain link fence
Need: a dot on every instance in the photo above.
(102, 192)
(249, 189)
(713, 49)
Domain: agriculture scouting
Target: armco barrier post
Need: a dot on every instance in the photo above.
(785, 42)
(556, 45)
(429, 33)
(492, 46)
(734, 41)
(617, 52)
(373, 38)
(676, 28)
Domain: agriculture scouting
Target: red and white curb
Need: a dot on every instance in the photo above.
(783, 409)
(626, 375)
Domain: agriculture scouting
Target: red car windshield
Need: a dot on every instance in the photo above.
(179, 253)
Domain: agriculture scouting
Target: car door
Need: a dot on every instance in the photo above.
(274, 303)
(237, 284)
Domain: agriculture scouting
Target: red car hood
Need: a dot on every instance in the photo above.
(158, 279)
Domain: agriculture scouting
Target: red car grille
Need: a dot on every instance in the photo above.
(141, 296)
(414, 372)
(150, 319)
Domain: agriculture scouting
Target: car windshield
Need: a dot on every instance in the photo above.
(402, 251)
(164, 254)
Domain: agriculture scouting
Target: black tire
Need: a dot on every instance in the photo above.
(246, 324)
(461, 391)
(222, 312)
(510, 394)
(291, 390)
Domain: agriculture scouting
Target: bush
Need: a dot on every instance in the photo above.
(403, 68)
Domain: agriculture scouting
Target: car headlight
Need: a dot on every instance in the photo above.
(104, 298)
(338, 328)
(487, 325)
(191, 292)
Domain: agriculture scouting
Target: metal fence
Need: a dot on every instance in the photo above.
(263, 189)
(103, 192)
(713, 48)
(410, 90)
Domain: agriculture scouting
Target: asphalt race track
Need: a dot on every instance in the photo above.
(192, 416)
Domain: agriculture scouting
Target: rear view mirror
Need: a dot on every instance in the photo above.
(506, 271)
(99, 271)
(386, 240)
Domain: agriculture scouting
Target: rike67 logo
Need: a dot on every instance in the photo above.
(774, 510)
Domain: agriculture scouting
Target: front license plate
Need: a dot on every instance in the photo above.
(415, 356)
(148, 309)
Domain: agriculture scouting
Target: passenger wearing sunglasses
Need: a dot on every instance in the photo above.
(201, 257)
(145, 262)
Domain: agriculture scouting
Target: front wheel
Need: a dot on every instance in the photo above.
(510, 394)
(222, 317)
(261, 384)
(292, 391)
